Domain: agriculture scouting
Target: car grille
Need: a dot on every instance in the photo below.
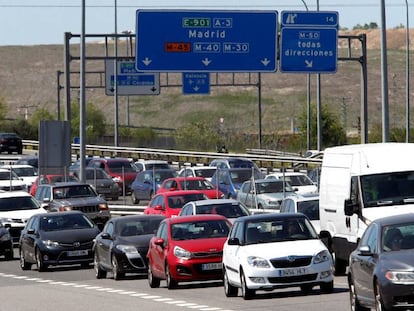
(294, 279)
(291, 261)
(208, 254)
(86, 209)
(83, 245)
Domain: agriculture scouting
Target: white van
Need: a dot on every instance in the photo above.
(358, 184)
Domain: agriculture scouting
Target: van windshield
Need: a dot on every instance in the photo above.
(388, 188)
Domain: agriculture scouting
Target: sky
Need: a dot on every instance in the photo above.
(35, 22)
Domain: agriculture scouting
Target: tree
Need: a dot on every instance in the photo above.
(94, 123)
(197, 136)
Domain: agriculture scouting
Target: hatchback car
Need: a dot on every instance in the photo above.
(299, 181)
(273, 250)
(170, 203)
(229, 180)
(11, 142)
(53, 239)
(10, 181)
(122, 246)
(264, 194)
(186, 249)
(191, 183)
(381, 268)
(147, 183)
(62, 197)
(229, 208)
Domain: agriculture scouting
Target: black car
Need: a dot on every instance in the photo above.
(123, 245)
(6, 243)
(11, 142)
(51, 239)
(381, 268)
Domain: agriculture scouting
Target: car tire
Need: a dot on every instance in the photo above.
(41, 267)
(339, 265)
(379, 304)
(153, 281)
(134, 200)
(327, 288)
(229, 290)
(353, 299)
(171, 283)
(23, 263)
(99, 272)
(116, 269)
(246, 292)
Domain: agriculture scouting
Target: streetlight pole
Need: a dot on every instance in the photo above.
(384, 76)
(407, 74)
(116, 143)
(82, 104)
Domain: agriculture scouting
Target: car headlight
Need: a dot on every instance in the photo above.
(65, 208)
(127, 249)
(5, 237)
(322, 257)
(103, 207)
(50, 243)
(181, 253)
(258, 262)
(400, 277)
(117, 179)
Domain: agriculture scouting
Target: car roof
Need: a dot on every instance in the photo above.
(112, 159)
(179, 192)
(183, 178)
(65, 184)
(270, 216)
(214, 201)
(137, 217)
(152, 161)
(190, 218)
(17, 166)
(395, 219)
(66, 213)
(303, 197)
(13, 194)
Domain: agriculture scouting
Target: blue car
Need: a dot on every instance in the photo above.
(229, 180)
(147, 182)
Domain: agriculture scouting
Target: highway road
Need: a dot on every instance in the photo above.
(72, 288)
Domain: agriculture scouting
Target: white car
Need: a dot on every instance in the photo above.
(198, 171)
(297, 180)
(16, 207)
(9, 181)
(274, 250)
(26, 172)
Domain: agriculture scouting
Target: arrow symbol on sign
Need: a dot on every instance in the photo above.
(153, 89)
(206, 61)
(196, 88)
(309, 64)
(147, 61)
(265, 61)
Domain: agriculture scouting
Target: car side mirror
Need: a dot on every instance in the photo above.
(233, 241)
(30, 231)
(365, 250)
(159, 242)
(350, 208)
(158, 208)
(106, 236)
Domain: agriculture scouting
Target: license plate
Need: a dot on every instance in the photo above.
(211, 266)
(292, 272)
(78, 253)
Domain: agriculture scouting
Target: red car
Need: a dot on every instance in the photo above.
(186, 249)
(191, 183)
(50, 179)
(170, 203)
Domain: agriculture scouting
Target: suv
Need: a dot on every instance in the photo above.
(122, 170)
(236, 163)
(11, 142)
(68, 196)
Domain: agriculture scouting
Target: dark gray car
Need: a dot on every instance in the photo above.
(61, 197)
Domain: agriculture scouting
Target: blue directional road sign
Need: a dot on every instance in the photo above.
(309, 42)
(196, 83)
(206, 41)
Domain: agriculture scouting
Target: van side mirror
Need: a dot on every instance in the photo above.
(351, 208)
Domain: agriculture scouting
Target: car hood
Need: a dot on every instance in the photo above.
(81, 201)
(399, 260)
(70, 236)
(286, 248)
(202, 245)
(136, 240)
(21, 214)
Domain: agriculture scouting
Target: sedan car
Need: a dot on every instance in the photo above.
(170, 203)
(191, 183)
(273, 250)
(52, 239)
(381, 268)
(264, 194)
(186, 249)
(299, 181)
(229, 208)
(147, 183)
(122, 245)
(6, 243)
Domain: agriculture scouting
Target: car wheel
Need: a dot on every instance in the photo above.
(355, 306)
(246, 292)
(39, 261)
(99, 272)
(229, 290)
(171, 283)
(379, 304)
(134, 200)
(153, 281)
(116, 269)
(306, 288)
(327, 288)
(23, 263)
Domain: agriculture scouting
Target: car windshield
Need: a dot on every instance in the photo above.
(272, 187)
(200, 230)
(138, 227)
(18, 203)
(298, 180)
(309, 208)
(65, 222)
(159, 176)
(196, 185)
(397, 237)
(177, 201)
(240, 176)
(206, 173)
(388, 189)
(122, 167)
(8, 175)
(73, 191)
(151, 166)
(96, 174)
(228, 210)
(25, 171)
(267, 231)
